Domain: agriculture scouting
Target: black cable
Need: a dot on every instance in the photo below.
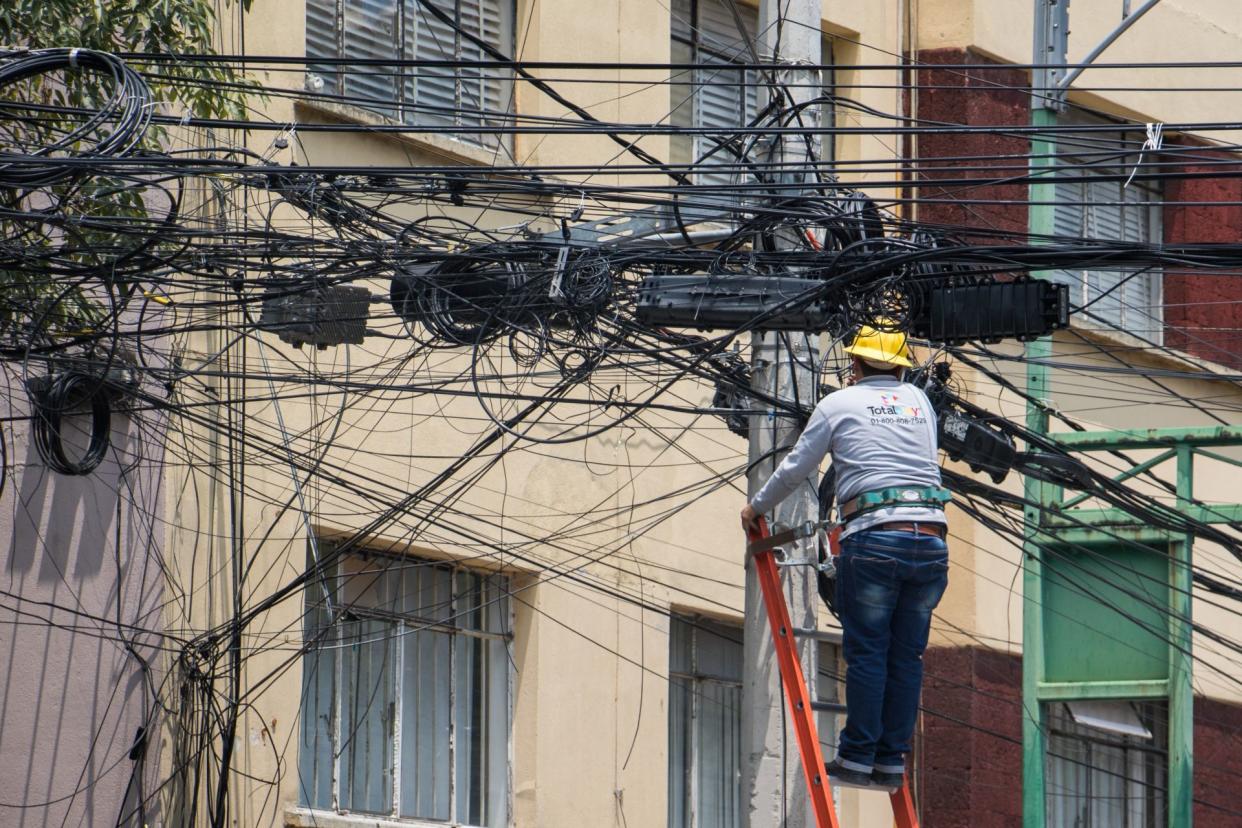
(128, 107)
(65, 392)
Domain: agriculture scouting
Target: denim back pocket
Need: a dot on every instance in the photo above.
(867, 579)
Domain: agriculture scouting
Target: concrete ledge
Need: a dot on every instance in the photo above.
(449, 148)
(314, 818)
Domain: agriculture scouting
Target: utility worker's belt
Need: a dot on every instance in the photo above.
(929, 497)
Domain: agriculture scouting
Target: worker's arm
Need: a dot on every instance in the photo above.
(802, 460)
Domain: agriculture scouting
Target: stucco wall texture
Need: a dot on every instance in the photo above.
(81, 579)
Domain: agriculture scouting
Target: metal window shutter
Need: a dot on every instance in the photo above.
(1104, 213)
(495, 29)
(723, 98)
(1068, 212)
(484, 93)
(470, 79)
(718, 105)
(718, 30)
(1067, 220)
(1104, 221)
(323, 41)
(1141, 295)
(723, 101)
(1110, 212)
(720, 98)
(371, 34)
(1138, 214)
(436, 87)
(444, 96)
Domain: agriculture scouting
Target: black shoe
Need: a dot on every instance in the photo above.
(846, 777)
(891, 782)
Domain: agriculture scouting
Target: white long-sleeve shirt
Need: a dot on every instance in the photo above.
(881, 433)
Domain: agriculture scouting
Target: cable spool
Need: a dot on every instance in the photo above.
(114, 129)
(63, 393)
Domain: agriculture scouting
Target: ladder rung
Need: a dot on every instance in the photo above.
(829, 636)
(827, 706)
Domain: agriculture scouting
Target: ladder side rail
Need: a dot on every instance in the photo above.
(903, 805)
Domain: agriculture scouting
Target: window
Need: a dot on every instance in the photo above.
(722, 94)
(705, 724)
(1124, 299)
(705, 720)
(405, 705)
(463, 97)
(1107, 764)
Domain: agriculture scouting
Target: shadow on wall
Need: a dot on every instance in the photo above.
(80, 594)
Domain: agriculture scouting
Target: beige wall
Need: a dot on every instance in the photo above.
(591, 669)
(591, 673)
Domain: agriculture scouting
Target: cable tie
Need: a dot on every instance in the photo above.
(581, 208)
(1153, 143)
(73, 57)
(185, 118)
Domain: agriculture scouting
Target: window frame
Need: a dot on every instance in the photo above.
(689, 770)
(1131, 318)
(400, 623)
(827, 685)
(1061, 730)
(690, 148)
(333, 79)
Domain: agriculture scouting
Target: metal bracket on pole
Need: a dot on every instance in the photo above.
(1050, 83)
(783, 537)
(1051, 47)
(1128, 19)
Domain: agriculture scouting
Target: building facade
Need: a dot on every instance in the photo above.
(547, 646)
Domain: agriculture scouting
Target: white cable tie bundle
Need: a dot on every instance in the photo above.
(1155, 140)
(73, 57)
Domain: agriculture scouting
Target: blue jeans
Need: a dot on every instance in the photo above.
(888, 583)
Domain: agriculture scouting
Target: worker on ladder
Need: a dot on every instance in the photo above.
(893, 566)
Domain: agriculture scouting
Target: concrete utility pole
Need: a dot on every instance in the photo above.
(773, 787)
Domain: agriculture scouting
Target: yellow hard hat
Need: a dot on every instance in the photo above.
(883, 347)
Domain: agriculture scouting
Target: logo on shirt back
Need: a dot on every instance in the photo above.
(892, 406)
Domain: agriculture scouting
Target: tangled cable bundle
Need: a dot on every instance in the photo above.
(64, 393)
(112, 130)
(494, 290)
(163, 284)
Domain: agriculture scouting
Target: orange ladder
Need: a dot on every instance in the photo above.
(762, 549)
